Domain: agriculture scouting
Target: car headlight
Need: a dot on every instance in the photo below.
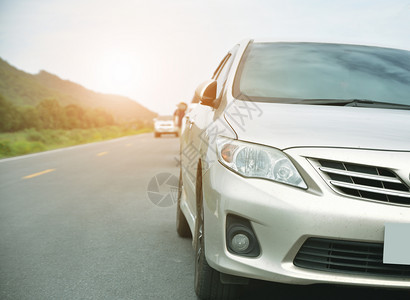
(257, 161)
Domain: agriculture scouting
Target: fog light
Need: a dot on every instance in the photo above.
(240, 243)
(240, 237)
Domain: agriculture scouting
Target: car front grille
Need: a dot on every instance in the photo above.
(368, 182)
(347, 257)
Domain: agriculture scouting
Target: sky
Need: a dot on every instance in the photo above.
(156, 52)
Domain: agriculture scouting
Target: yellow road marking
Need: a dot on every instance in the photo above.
(39, 173)
(102, 153)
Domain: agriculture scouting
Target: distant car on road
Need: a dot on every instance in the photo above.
(295, 168)
(165, 125)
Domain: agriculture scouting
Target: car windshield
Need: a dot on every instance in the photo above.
(302, 72)
(165, 118)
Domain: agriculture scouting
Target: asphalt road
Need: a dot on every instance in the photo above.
(78, 223)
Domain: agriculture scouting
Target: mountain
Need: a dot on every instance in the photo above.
(22, 88)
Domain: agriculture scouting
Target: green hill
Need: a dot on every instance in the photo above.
(24, 89)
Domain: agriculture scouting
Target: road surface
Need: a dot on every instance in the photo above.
(77, 223)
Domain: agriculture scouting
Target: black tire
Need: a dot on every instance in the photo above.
(208, 283)
(183, 229)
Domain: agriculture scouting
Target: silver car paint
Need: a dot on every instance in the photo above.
(296, 125)
(282, 216)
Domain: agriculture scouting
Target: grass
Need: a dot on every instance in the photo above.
(31, 140)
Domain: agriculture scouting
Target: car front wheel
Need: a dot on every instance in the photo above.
(208, 284)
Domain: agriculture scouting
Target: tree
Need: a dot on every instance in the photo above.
(51, 114)
(10, 117)
(75, 116)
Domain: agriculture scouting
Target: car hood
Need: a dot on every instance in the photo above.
(296, 125)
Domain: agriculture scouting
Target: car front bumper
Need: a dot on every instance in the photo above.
(166, 129)
(284, 217)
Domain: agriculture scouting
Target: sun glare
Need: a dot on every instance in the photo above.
(119, 72)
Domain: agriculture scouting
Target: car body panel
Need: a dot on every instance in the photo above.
(282, 216)
(286, 125)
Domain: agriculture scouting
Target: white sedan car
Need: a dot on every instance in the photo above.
(295, 168)
(165, 125)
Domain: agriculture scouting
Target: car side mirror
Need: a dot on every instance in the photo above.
(206, 92)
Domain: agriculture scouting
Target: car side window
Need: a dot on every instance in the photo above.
(221, 73)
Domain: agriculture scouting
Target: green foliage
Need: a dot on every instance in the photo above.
(25, 147)
(49, 114)
(45, 113)
(5, 148)
(9, 116)
(32, 140)
(34, 136)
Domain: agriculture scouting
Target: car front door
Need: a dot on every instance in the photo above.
(194, 139)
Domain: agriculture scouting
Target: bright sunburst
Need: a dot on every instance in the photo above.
(120, 72)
